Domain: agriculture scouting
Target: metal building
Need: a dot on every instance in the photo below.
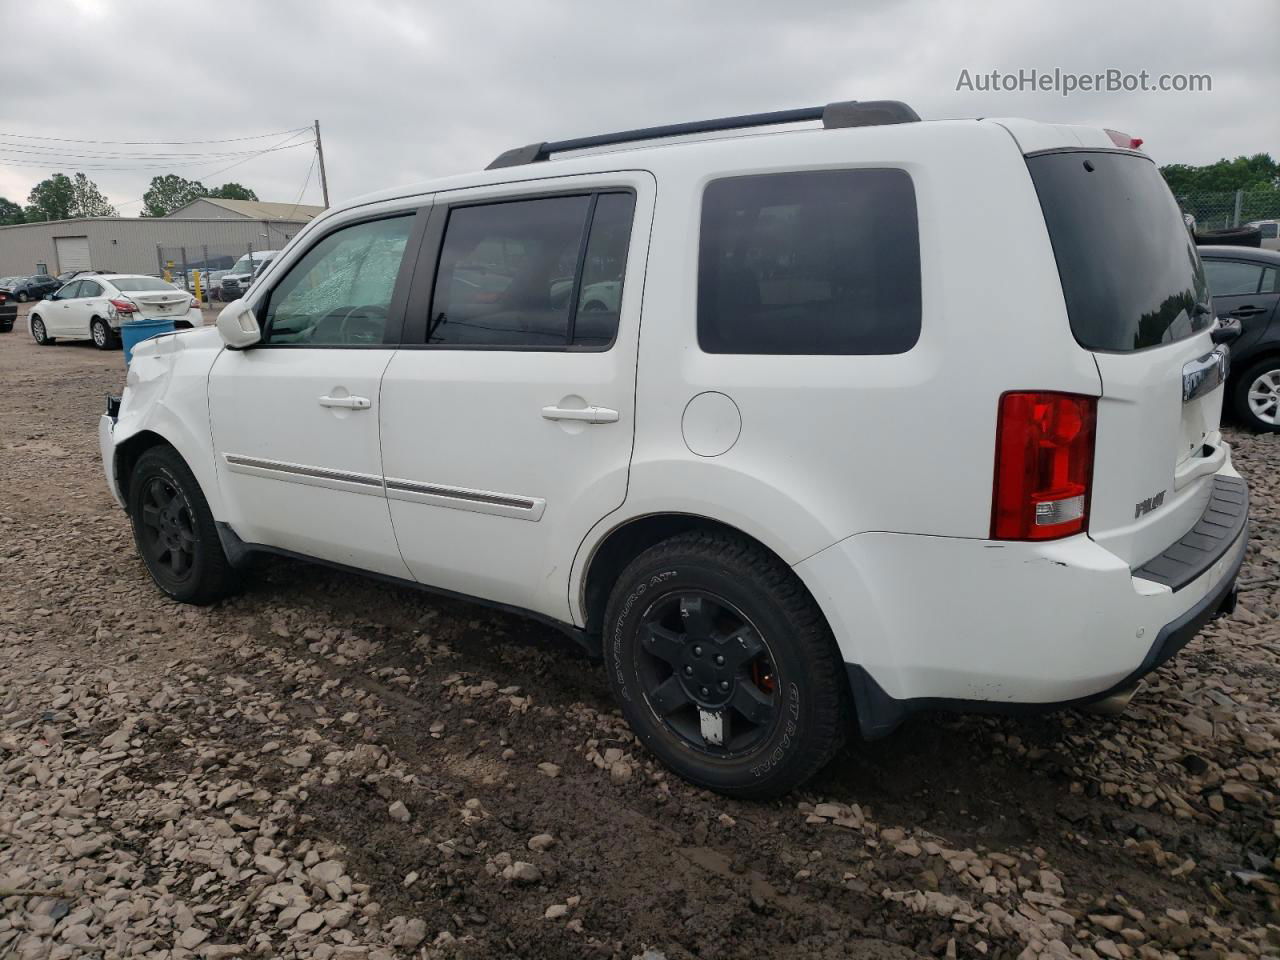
(135, 244)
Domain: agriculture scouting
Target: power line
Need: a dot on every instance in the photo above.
(160, 165)
(115, 155)
(214, 173)
(305, 180)
(159, 143)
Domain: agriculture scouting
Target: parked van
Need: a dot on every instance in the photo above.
(824, 414)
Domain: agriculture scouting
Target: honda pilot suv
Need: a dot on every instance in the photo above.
(842, 418)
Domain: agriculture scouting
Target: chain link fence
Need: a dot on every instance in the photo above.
(1219, 211)
(221, 271)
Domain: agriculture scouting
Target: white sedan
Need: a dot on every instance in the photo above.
(93, 307)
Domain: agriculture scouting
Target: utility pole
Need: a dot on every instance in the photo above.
(324, 181)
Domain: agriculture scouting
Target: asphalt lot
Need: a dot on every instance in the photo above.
(329, 767)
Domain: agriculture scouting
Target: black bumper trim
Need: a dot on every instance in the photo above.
(879, 714)
(1204, 544)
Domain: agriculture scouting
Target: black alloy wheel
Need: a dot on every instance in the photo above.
(707, 673)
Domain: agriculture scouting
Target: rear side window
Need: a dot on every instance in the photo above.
(544, 273)
(826, 262)
(89, 289)
(1229, 278)
(1130, 273)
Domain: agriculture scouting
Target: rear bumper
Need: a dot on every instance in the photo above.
(930, 623)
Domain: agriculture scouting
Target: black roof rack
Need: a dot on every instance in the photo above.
(848, 113)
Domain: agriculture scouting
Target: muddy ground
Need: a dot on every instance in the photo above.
(330, 767)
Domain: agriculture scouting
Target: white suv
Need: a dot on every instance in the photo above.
(878, 416)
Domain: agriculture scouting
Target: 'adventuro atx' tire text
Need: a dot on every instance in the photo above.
(724, 665)
(174, 529)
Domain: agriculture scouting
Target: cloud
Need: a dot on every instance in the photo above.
(406, 91)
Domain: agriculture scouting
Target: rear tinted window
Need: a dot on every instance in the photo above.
(1130, 272)
(826, 262)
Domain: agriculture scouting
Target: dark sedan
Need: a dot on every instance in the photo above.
(1245, 284)
(35, 287)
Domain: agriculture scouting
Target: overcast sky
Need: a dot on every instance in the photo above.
(407, 91)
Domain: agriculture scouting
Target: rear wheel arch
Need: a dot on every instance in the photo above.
(616, 549)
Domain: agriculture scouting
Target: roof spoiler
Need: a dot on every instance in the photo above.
(848, 113)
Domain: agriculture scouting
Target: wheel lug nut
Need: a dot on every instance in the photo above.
(697, 651)
(724, 685)
(703, 690)
(719, 659)
(688, 671)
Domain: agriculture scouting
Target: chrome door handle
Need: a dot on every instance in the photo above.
(346, 403)
(584, 414)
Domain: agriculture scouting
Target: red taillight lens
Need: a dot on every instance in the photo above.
(1044, 465)
(125, 306)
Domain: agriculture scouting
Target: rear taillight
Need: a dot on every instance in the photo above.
(124, 307)
(1044, 465)
(195, 304)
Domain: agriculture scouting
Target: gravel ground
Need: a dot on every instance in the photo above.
(328, 767)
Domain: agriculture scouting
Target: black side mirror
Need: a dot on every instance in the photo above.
(1227, 329)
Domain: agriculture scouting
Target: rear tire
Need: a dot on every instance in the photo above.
(1256, 395)
(724, 666)
(103, 338)
(38, 332)
(174, 530)
(22, 298)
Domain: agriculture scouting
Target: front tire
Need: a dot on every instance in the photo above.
(22, 297)
(724, 666)
(38, 332)
(174, 530)
(1256, 395)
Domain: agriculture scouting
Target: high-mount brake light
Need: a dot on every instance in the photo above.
(1044, 465)
(1123, 140)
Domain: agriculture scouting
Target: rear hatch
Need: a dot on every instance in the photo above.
(1137, 299)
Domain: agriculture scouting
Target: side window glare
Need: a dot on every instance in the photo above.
(338, 294)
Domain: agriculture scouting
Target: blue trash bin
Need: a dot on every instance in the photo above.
(133, 332)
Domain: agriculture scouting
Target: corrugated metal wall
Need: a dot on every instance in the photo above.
(128, 245)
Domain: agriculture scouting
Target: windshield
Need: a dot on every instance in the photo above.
(1130, 272)
(243, 265)
(137, 284)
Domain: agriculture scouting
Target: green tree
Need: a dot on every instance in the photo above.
(166, 194)
(61, 197)
(233, 191)
(10, 212)
(1224, 176)
(87, 200)
(50, 199)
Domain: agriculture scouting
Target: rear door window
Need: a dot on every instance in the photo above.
(1130, 273)
(1228, 278)
(822, 262)
(90, 288)
(544, 273)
